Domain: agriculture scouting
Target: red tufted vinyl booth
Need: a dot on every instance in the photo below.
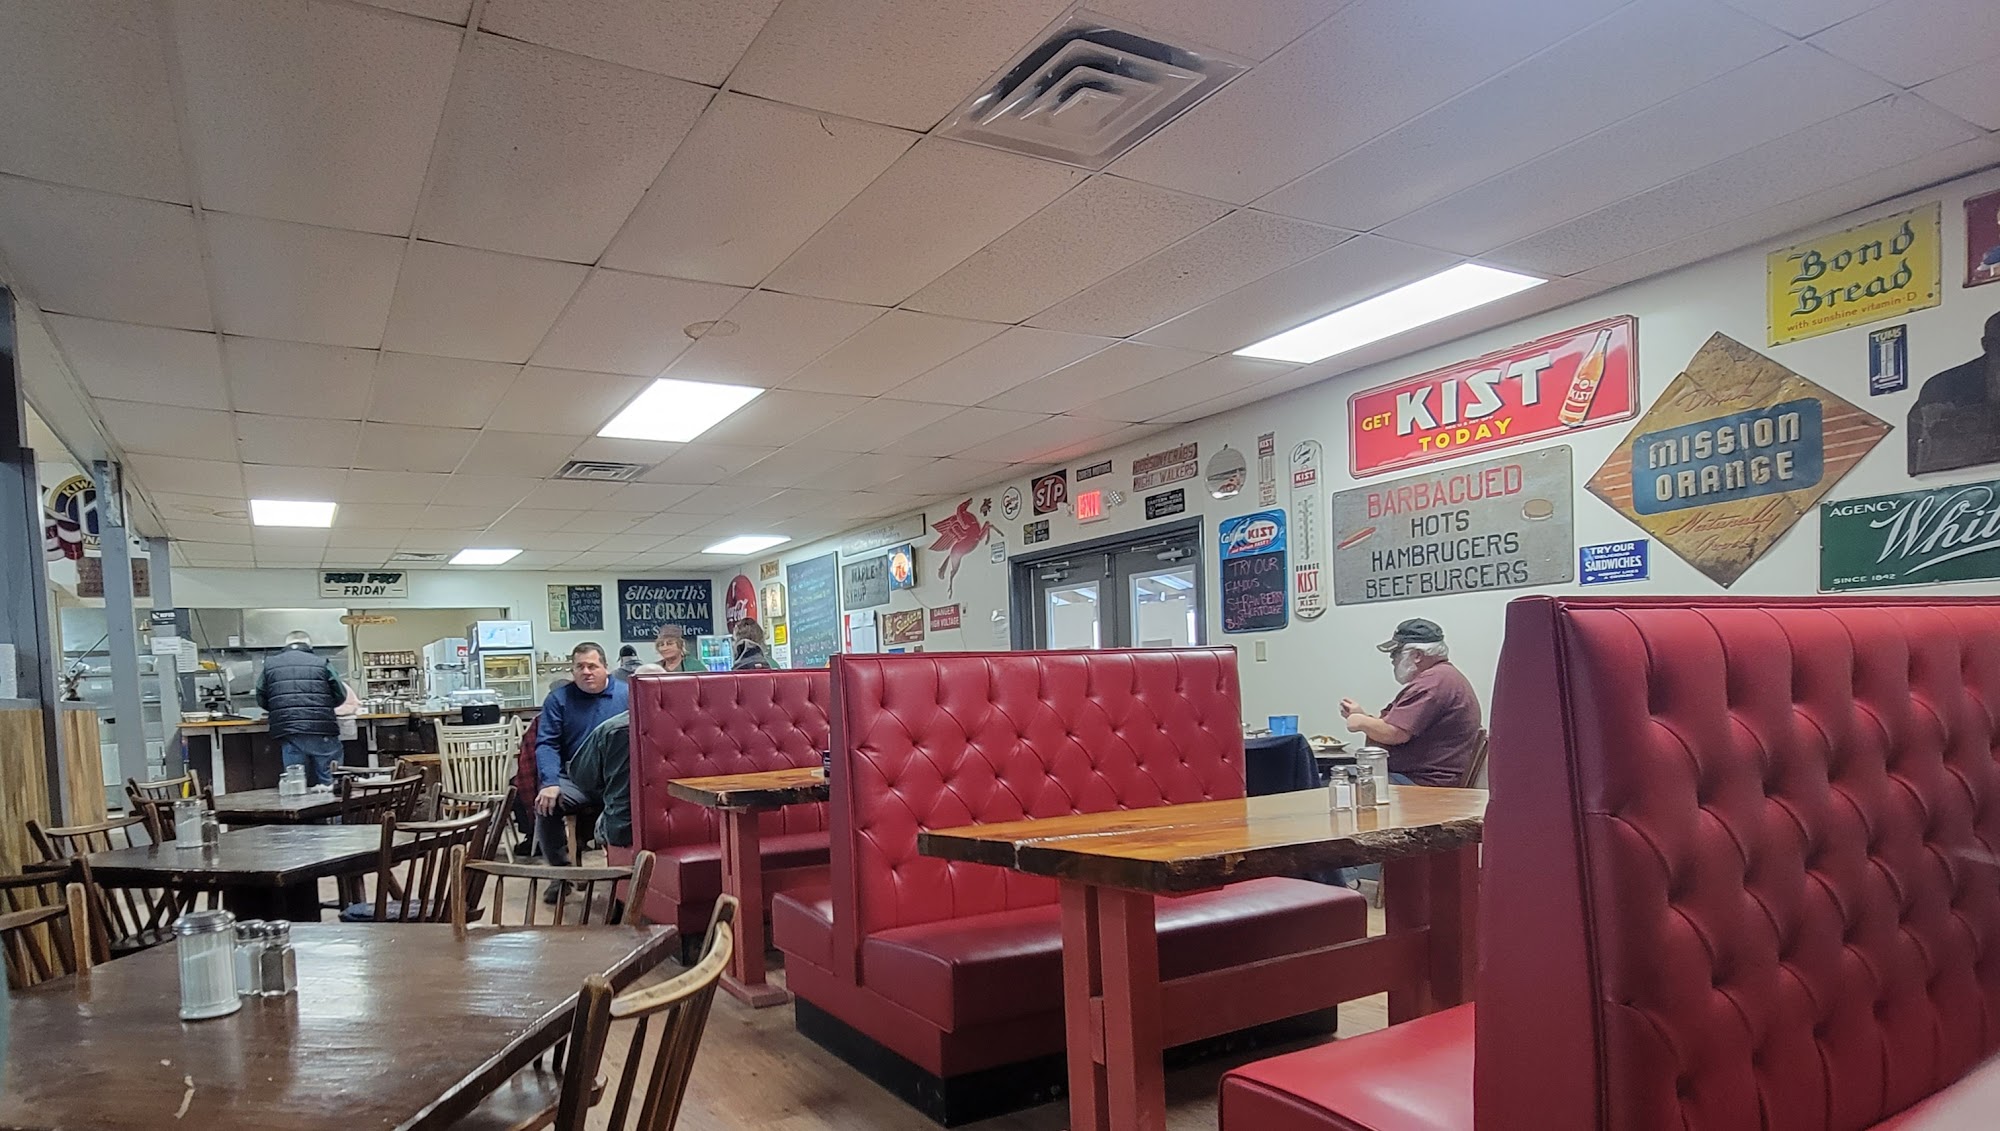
(699, 725)
(955, 968)
(1739, 872)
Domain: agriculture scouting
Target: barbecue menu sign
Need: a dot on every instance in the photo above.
(1501, 524)
(1552, 386)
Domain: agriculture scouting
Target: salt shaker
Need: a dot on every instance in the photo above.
(187, 822)
(249, 957)
(280, 961)
(206, 942)
(1341, 792)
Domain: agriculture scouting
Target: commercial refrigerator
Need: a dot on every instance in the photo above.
(503, 659)
(445, 667)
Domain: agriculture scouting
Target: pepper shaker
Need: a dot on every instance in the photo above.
(280, 962)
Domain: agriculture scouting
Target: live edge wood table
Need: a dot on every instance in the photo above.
(742, 799)
(406, 1026)
(1118, 1012)
(263, 872)
(269, 807)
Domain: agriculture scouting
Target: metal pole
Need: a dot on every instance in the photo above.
(160, 551)
(121, 624)
(24, 582)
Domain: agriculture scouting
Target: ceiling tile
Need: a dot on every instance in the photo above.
(186, 475)
(1098, 228)
(1972, 93)
(568, 494)
(208, 555)
(214, 533)
(143, 363)
(296, 440)
(1631, 60)
(602, 522)
(706, 462)
(532, 520)
(662, 525)
(501, 491)
(1018, 355)
(319, 113)
(1204, 381)
(1240, 248)
(545, 153)
(697, 40)
(443, 516)
(446, 392)
(890, 351)
(299, 283)
(1342, 275)
(620, 323)
(776, 336)
(230, 514)
(725, 499)
(939, 203)
(1035, 444)
(563, 401)
(1747, 107)
(862, 472)
(412, 447)
(952, 475)
(458, 302)
(647, 452)
(1130, 433)
(370, 486)
(102, 256)
(87, 97)
(750, 184)
(877, 425)
(791, 467)
(1370, 68)
(516, 453)
(964, 429)
(450, 11)
(1876, 136)
(344, 537)
(900, 62)
(780, 416)
(621, 543)
(164, 430)
(1913, 41)
(297, 378)
(273, 481)
(380, 515)
(1123, 366)
(648, 498)
(1253, 29)
(1802, 17)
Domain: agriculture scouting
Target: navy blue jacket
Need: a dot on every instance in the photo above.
(569, 714)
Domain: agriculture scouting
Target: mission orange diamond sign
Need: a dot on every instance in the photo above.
(1731, 455)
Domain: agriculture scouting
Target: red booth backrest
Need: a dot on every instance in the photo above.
(686, 726)
(1739, 861)
(940, 740)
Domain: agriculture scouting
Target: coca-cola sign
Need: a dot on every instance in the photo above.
(1552, 386)
(1912, 538)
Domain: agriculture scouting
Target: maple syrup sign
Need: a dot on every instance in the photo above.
(1563, 383)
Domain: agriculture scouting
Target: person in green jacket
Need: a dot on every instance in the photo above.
(675, 655)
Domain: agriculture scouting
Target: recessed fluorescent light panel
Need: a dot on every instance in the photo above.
(1425, 301)
(290, 512)
(747, 544)
(484, 557)
(677, 411)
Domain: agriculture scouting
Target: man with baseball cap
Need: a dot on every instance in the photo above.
(1431, 727)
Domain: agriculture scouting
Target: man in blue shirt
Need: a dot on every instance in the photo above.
(569, 714)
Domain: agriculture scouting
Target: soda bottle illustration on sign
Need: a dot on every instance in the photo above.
(1583, 386)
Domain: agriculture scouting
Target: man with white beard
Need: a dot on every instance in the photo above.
(1431, 727)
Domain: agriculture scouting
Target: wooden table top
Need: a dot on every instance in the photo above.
(769, 789)
(1174, 848)
(268, 806)
(259, 856)
(403, 1026)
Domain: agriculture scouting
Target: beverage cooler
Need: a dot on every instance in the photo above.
(503, 660)
(446, 667)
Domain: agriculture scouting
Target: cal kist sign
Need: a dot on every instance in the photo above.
(1911, 538)
(1565, 382)
(1863, 274)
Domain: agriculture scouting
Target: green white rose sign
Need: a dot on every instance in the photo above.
(1912, 538)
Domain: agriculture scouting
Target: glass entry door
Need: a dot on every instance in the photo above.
(1071, 612)
(1142, 591)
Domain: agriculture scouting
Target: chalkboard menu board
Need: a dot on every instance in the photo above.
(865, 584)
(814, 587)
(1253, 572)
(576, 608)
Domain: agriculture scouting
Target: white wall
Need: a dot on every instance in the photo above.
(1310, 665)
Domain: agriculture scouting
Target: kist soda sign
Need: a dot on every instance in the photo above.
(1563, 383)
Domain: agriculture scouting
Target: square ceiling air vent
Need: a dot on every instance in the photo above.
(413, 556)
(601, 471)
(1087, 91)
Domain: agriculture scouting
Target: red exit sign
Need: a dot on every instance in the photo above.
(1089, 506)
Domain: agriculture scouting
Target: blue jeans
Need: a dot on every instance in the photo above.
(316, 752)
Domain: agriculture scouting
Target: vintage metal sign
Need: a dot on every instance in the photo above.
(946, 617)
(1911, 538)
(1552, 386)
(364, 583)
(1888, 360)
(1162, 468)
(1982, 239)
(904, 626)
(1051, 492)
(1863, 274)
(1253, 572)
(1500, 524)
(1101, 467)
(1736, 449)
(1610, 562)
(1308, 590)
(1267, 469)
(1166, 503)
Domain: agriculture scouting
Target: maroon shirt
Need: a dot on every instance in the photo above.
(1440, 710)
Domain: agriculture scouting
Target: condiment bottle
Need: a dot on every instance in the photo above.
(280, 961)
(1341, 791)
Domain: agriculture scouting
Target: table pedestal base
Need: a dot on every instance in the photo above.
(743, 877)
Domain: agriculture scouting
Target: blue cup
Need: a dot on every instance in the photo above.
(1283, 724)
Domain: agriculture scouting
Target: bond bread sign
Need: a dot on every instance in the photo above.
(1864, 274)
(1736, 449)
(1563, 383)
(1500, 524)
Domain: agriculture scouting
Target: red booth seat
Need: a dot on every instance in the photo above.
(701, 725)
(956, 968)
(1739, 872)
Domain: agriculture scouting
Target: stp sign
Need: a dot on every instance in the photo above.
(1566, 382)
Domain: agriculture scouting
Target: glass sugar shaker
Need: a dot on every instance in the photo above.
(280, 961)
(249, 957)
(187, 822)
(206, 944)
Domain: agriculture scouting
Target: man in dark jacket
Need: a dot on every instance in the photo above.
(569, 714)
(602, 769)
(298, 692)
(749, 646)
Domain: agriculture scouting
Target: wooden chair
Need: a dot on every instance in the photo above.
(1475, 771)
(130, 918)
(479, 759)
(413, 872)
(664, 1051)
(45, 931)
(365, 802)
(154, 800)
(587, 881)
(496, 805)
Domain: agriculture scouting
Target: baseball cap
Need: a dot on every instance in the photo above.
(1414, 631)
